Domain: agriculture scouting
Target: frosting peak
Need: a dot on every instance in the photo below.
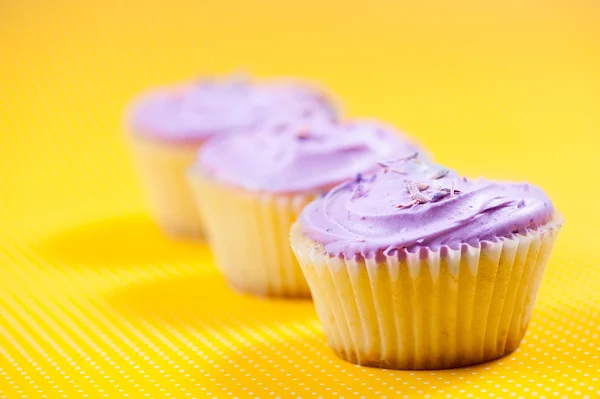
(214, 106)
(296, 157)
(410, 203)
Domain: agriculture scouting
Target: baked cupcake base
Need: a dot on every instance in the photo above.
(162, 167)
(249, 237)
(427, 310)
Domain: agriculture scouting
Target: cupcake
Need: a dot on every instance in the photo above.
(250, 188)
(169, 125)
(417, 268)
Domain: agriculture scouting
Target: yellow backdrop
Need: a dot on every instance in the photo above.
(94, 302)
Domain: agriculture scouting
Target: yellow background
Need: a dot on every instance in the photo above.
(94, 301)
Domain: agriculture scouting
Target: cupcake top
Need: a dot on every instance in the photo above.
(211, 107)
(410, 204)
(300, 157)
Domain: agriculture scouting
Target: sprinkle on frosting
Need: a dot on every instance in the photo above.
(215, 106)
(301, 157)
(426, 205)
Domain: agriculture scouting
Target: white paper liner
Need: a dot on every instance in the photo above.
(162, 169)
(249, 236)
(429, 309)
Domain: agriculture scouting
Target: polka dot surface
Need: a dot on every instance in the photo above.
(95, 302)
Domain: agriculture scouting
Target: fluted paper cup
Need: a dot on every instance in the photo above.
(427, 309)
(162, 167)
(249, 236)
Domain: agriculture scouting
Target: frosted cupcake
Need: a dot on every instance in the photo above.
(169, 125)
(250, 188)
(416, 268)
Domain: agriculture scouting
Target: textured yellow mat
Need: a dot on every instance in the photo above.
(95, 303)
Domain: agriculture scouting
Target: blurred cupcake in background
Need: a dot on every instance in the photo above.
(250, 188)
(417, 268)
(168, 125)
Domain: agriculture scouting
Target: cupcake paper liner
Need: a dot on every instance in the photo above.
(427, 309)
(249, 236)
(162, 167)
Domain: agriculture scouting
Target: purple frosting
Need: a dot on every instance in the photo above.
(210, 107)
(300, 157)
(411, 204)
